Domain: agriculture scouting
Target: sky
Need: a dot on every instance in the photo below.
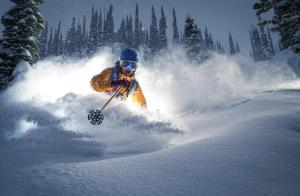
(220, 17)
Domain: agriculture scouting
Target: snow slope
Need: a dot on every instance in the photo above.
(227, 126)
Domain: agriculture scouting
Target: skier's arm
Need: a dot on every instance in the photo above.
(102, 82)
(139, 97)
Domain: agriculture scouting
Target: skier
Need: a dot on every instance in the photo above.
(121, 75)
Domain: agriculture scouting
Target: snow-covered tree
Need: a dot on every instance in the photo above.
(137, 29)
(43, 42)
(100, 30)
(84, 36)
(231, 44)
(192, 40)
(256, 44)
(108, 29)
(92, 39)
(163, 43)
(153, 37)
(237, 48)
(49, 45)
(264, 42)
(175, 28)
(22, 26)
(56, 42)
(271, 45)
(286, 20)
(122, 35)
(129, 32)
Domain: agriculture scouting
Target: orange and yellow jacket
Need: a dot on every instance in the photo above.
(102, 83)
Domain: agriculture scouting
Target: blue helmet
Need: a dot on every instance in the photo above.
(129, 55)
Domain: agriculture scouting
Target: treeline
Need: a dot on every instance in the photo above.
(84, 39)
(261, 43)
(285, 19)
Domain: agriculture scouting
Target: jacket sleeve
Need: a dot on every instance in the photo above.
(102, 82)
(139, 97)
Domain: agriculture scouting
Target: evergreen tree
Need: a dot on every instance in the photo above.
(237, 48)
(84, 36)
(61, 45)
(137, 29)
(211, 45)
(271, 45)
(153, 37)
(100, 30)
(92, 39)
(49, 46)
(207, 40)
(22, 26)
(264, 42)
(257, 49)
(231, 44)
(108, 30)
(129, 32)
(285, 20)
(175, 28)
(72, 43)
(55, 43)
(192, 40)
(78, 41)
(122, 35)
(163, 43)
(43, 42)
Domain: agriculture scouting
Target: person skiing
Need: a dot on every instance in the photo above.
(122, 76)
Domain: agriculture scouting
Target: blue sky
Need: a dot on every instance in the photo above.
(219, 16)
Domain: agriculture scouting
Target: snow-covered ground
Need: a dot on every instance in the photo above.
(227, 126)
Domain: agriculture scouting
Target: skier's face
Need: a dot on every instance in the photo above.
(128, 67)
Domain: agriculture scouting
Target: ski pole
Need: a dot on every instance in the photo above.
(115, 93)
(95, 116)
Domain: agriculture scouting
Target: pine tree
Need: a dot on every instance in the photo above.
(175, 28)
(207, 40)
(264, 42)
(257, 49)
(137, 29)
(61, 45)
(55, 43)
(78, 41)
(122, 35)
(163, 43)
(108, 30)
(237, 48)
(43, 42)
(271, 45)
(49, 46)
(22, 26)
(192, 40)
(211, 45)
(72, 43)
(285, 20)
(92, 39)
(100, 30)
(129, 32)
(153, 37)
(231, 44)
(84, 36)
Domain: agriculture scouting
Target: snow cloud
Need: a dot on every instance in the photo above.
(50, 101)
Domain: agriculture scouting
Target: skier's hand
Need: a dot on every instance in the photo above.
(121, 83)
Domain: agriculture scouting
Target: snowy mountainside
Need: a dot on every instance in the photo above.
(227, 126)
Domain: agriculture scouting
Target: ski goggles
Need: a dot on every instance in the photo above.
(128, 65)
